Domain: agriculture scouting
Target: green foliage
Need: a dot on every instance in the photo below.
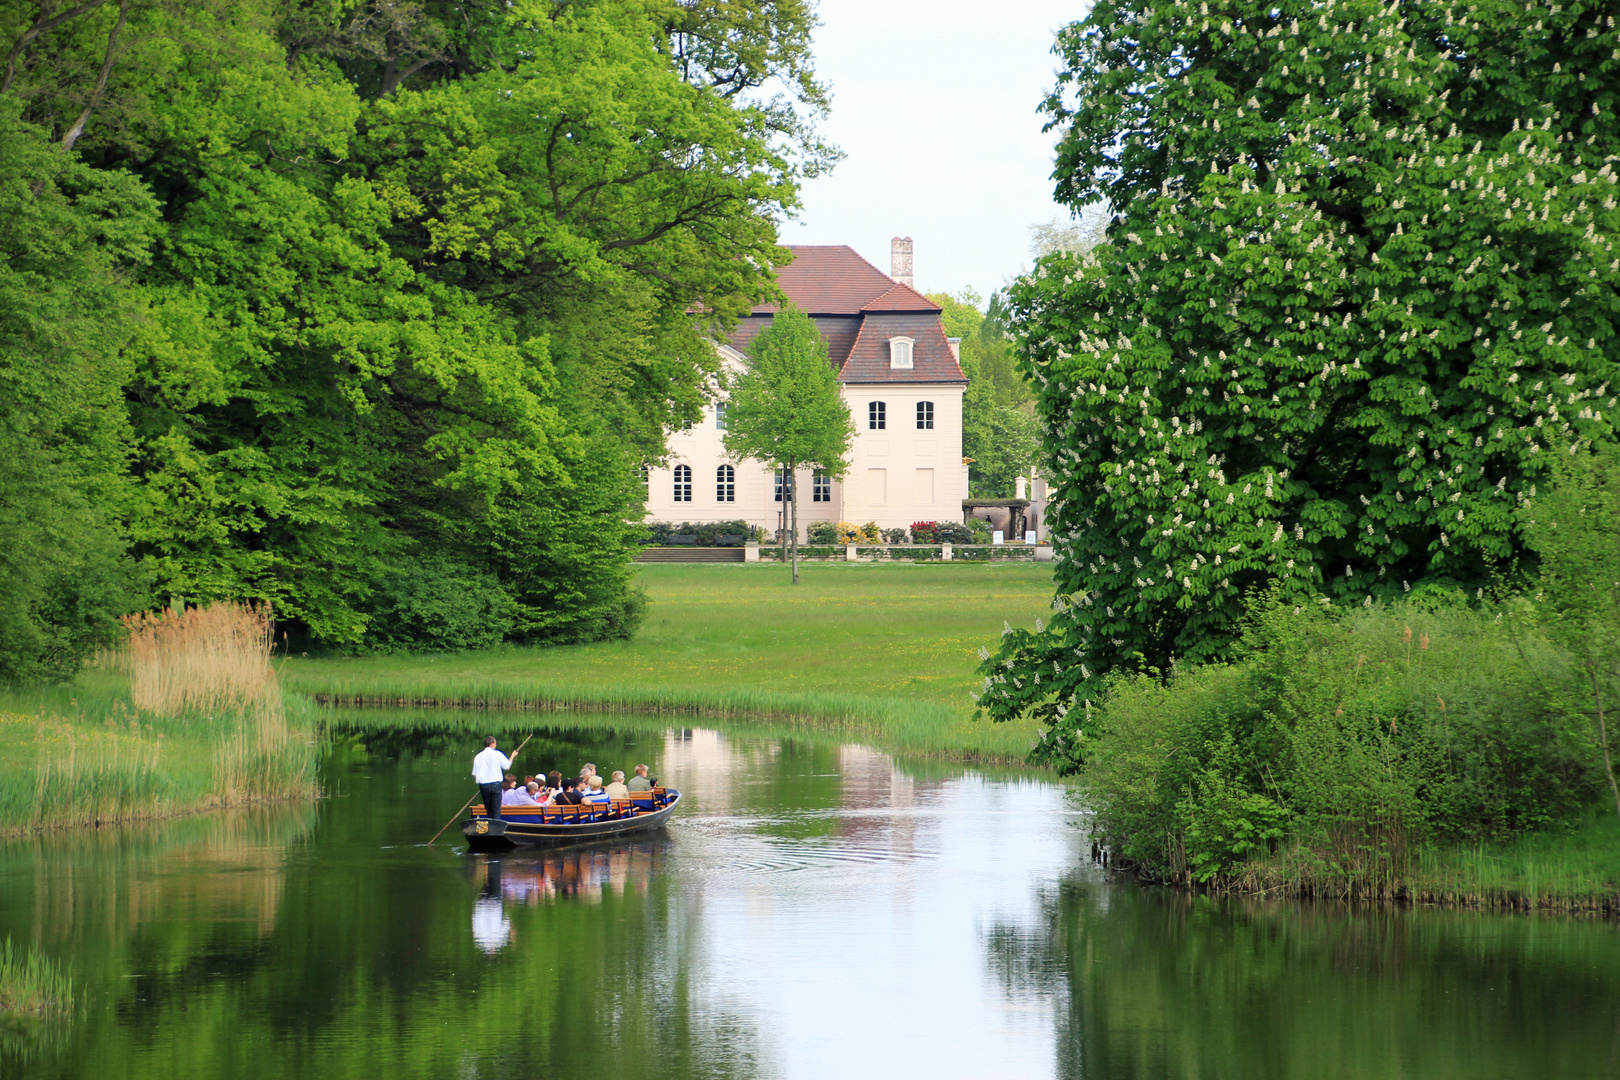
(1359, 281)
(785, 408)
(66, 313)
(347, 281)
(979, 531)
(708, 533)
(821, 532)
(1354, 738)
(999, 430)
(1575, 528)
(436, 603)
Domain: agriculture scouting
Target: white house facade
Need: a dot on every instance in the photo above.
(898, 373)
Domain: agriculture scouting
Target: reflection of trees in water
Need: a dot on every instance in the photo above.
(1156, 983)
(198, 942)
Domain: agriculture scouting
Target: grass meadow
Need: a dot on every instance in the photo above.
(884, 653)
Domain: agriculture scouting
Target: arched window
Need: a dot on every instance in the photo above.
(820, 487)
(925, 416)
(900, 353)
(683, 483)
(877, 414)
(725, 484)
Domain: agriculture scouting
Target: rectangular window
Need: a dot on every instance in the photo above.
(821, 488)
(925, 416)
(779, 487)
(923, 486)
(720, 415)
(877, 416)
(877, 487)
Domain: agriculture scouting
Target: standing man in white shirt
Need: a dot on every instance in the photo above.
(489, 769)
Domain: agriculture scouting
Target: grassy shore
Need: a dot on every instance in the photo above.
(879, 652)
(190, 717)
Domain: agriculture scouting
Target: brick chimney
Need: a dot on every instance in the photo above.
(900, 259)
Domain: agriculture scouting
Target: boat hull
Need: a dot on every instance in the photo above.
(503, 834)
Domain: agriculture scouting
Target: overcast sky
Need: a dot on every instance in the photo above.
(934, 105)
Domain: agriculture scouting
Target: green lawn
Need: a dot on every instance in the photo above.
(878, 651)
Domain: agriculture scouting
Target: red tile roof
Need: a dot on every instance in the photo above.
(858, 308)
(829, 280)
(931, 358)
(902, 298)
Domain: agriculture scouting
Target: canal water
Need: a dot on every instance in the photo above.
(814, 910)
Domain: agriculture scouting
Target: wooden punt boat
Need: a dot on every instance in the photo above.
(520, 826)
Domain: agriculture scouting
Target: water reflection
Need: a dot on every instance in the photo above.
(1158, 984)
(813, 909)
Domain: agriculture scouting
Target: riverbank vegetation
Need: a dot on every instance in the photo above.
(188, 716)
(1330, 422)
(879, 652)
(1431, 749)
(32, 988)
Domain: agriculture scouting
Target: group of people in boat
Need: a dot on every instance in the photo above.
(499, 788)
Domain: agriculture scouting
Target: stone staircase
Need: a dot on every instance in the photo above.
(690, 554)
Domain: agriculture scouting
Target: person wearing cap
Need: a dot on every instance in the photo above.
(489, 768)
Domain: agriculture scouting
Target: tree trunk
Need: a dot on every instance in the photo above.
(1603, 735)
(793, 512)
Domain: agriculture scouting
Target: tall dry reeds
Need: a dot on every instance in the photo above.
(204, 660)
(210, 667)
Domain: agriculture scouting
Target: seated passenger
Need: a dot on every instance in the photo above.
(537, 793)
(516, 796)
(569, 796)
(586, 772)
(639, 782)
(596, 795)
(617, 790)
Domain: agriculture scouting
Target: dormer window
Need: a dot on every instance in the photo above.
(900, 353)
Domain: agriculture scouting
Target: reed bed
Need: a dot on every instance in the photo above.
(202, 661)
(32, 987)
(189, 717)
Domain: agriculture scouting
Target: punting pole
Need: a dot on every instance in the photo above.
(474, 799)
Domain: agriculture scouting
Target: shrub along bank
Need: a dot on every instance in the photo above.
(1419, 750)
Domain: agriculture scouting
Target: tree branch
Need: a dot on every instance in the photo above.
(101, 80)
(44, 24)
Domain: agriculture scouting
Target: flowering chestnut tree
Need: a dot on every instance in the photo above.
(1360, 284)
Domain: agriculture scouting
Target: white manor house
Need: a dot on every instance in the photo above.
(901, 378)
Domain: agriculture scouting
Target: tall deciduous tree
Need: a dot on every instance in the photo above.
(420, 278)
(1360, 278)
(785, 408)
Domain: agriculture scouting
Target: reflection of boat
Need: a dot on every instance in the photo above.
(524, 825)
(584, 871)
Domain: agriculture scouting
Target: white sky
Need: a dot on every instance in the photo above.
(934, 106)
